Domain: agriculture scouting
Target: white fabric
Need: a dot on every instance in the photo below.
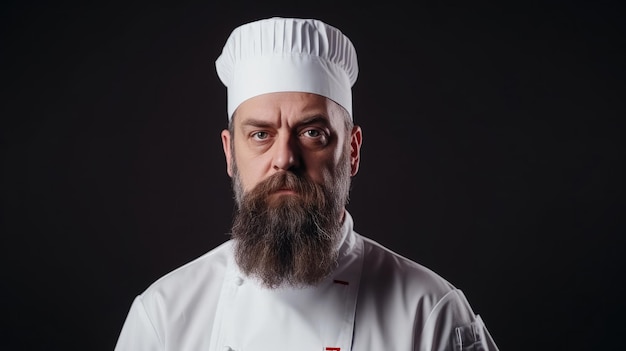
(287, 54)
(376, 300)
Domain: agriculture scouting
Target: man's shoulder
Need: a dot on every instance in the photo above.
(206, 270)
(383, 264)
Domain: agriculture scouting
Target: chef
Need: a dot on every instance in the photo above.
(295, 275)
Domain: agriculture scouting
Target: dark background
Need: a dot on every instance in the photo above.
(493, 154)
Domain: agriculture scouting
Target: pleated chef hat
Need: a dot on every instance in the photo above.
(287, 54)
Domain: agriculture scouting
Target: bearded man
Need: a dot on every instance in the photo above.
(295, 275)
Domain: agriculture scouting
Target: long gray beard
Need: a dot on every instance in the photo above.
(290, 239)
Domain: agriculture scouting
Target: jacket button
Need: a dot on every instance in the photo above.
(228, 348)
(238, 281)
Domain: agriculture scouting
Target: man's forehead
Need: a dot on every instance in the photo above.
(294, 106)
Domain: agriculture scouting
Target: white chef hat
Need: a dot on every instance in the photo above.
(287, 54)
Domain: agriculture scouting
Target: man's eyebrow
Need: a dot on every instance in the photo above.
(259, 123)
(252, 122)
(313, 120)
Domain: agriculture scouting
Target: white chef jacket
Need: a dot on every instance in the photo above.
(376, 300)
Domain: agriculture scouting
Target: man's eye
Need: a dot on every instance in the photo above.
(314, 137)
(260, 135)
(312, 133)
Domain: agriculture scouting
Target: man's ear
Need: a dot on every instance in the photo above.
(227, 151)
(356, 139)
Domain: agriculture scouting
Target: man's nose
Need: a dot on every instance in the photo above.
(286, 154)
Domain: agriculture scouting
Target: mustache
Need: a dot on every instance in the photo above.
(284, 180)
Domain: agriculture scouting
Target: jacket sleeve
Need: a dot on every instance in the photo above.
(138, 332)
(453, 326)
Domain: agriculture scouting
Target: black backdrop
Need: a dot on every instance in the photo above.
(492, 154)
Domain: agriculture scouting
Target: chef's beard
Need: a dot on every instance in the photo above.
(290, 239)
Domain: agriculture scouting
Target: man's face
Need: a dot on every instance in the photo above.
(291, 160)
(301, 133)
